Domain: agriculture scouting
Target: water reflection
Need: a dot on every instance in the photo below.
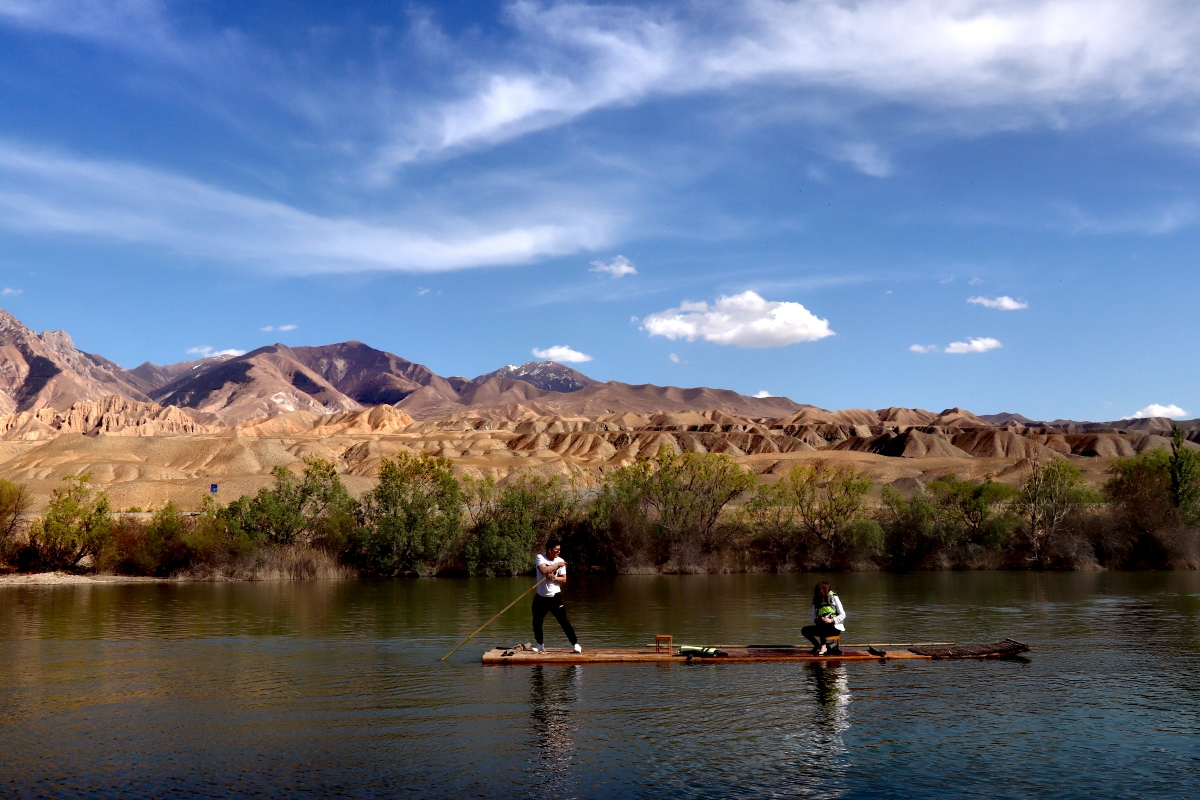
(552, 692)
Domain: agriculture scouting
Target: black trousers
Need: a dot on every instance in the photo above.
(817, 632)
(555, 606)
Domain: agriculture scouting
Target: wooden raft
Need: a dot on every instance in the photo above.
(625, 655)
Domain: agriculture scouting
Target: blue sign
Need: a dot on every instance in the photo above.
(213, 488)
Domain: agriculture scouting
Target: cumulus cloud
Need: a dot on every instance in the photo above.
(619, 267)
(973, 345)
(923, 348)
(763, 393)
(1171, 411)
(10, 292)
(1002, 303)
(206, 352)
(744, 320)
(673, 357)
(561, 353)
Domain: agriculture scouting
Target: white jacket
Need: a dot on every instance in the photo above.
(839, 619)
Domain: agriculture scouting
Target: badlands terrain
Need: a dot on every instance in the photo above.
(158, 433)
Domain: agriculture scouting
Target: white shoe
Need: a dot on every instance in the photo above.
(578, 649)
(539, 648)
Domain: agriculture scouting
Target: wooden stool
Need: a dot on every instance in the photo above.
(833, 643)
(663, 641)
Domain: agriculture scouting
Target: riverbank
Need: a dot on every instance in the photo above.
(68, 579)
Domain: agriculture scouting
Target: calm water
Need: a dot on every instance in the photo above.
(333, 689)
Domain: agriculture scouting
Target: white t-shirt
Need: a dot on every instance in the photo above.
(548, 588)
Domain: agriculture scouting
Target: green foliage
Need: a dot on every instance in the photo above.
(1050, 502)
(681, 496)
(408, 521)
(1184, 469)
(304, 508)
(813, 512)
(14, 501)
(158, 549)
(508, 523)
(1141, 492)
(211, 539)
(77, 523)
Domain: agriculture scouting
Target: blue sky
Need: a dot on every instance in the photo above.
(790, 197)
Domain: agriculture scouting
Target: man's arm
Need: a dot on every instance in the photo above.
(550, 568)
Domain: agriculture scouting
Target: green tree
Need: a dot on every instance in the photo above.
(509, 522)
(408, 521)
(973, 515)
(1052, 495)
(158, 548)
(294, 508)
(910, 528)
(14, 502)
(1184, 467)
(77, 523)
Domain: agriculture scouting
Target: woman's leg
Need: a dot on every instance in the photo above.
(810, 632)
(560, 613)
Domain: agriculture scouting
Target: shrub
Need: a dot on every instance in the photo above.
(508, 523)
(14, 501)
(77, 524)
(158, 548)
(304, 508)
(408, 521)
(1050, 503)
(682, 496)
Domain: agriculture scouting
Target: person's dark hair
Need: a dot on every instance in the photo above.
(820, 593)
(552, 543)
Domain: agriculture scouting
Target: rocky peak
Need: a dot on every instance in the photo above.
(549, 376)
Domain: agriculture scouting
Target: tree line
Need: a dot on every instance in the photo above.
(691, 512)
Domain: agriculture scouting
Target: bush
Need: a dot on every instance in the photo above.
(411, 517)
(681, 497)
(76, 525)
(157, 549)
(14, 501)
(812, 514)
(1051, 502)
(509, 523)
(308, 508)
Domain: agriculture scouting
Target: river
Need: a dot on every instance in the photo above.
(335, 689)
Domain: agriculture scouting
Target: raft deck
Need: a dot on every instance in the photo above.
(625, 655)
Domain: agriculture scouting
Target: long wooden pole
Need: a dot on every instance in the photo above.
(493, 619)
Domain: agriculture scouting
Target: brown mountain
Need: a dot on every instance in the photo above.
(47, 371)
(550, 376)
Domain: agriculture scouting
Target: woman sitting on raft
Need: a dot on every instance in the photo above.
(828, 620)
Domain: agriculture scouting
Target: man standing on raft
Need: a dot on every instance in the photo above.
(829, 620)
(552, 572)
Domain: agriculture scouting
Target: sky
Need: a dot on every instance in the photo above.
(920, 203)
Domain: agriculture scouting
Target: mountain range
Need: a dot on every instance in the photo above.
(47, 372)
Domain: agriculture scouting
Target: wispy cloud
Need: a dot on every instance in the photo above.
(619, 267)
(562, 353)
(744, 320)
(924, 348)
(49, 193)
(1002, 303)
(1170, 411)
(7, 292)
(205, 352)
(283, 328)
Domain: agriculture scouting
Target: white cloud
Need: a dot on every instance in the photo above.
(206, 352)
(561, 353)
(619, 267)
(1003, 303)
(923, 348)
(279, 328)
(763, 393)
(1171, 411)
(674, 358)
(50, 193)
(1038, 58)
(973, 345)
(866, 158)
(422, 292)
(744, 320)
(11, 292)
